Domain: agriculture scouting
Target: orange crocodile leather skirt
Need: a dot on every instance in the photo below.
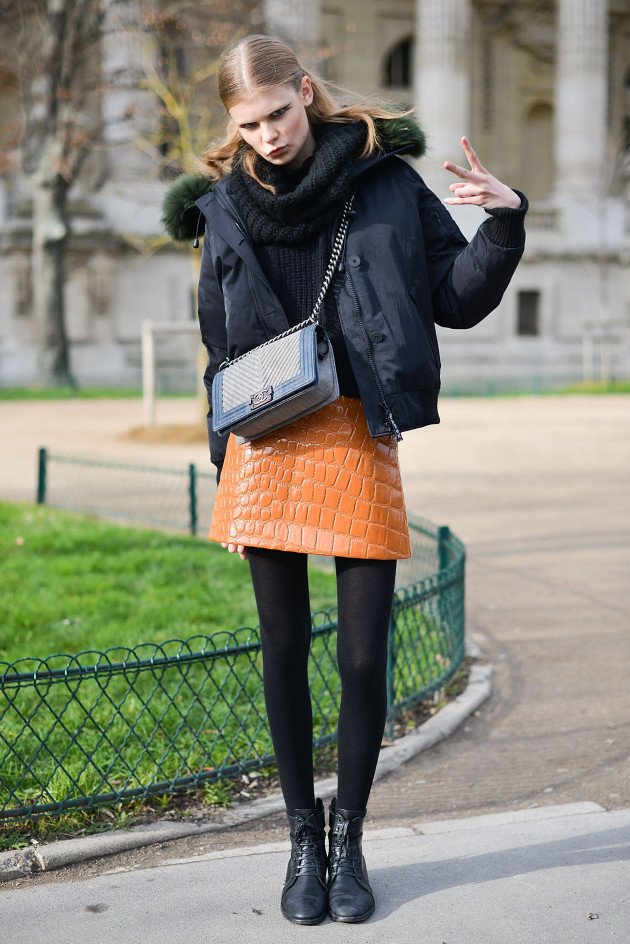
(319, 485)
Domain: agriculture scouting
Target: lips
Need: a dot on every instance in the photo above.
(277, 151)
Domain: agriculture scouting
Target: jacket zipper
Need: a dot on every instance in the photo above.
(241, 229)
(229, 211)
(382, 402)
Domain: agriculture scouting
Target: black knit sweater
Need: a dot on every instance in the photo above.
(296, 274)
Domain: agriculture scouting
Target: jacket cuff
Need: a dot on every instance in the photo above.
(506, 226)
(217, 445)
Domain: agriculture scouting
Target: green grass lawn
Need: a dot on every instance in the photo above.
(596, 386)
(498, 389)
(69, 585)
(83, 393)
(69, 582)
(66, 393)
(489, 389)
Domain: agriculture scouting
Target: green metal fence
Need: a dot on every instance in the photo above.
(156, 495)
(79, 731)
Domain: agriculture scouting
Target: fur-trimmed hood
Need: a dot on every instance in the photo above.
(181, 216)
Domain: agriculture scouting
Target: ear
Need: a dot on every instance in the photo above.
(306, 90)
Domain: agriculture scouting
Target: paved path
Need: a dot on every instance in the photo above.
(537, 487)
(489, 880)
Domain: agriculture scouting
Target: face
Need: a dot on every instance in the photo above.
(275, 124)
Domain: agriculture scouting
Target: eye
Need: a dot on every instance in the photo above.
(280, 111)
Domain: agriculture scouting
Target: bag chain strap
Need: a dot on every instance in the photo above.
(314, 316)
(338, 246)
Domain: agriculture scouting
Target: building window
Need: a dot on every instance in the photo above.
(399, 65)
(528, 314)
(537, 138)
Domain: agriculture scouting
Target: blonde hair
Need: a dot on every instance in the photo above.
(260, 62)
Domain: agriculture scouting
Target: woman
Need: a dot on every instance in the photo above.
(270, 204)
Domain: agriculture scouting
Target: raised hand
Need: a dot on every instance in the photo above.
(479, 187)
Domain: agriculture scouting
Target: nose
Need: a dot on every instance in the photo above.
(268, 133)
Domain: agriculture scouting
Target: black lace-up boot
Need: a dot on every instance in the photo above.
(304, 896)
(350, 897)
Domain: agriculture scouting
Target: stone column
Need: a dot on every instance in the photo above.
(132, 191)
(580, 97)
(298, 23)
(125, 106)
(442, 82)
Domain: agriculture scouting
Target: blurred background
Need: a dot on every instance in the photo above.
(103, 103)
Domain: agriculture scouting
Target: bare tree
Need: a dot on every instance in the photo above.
(183, 43)
(54, 48)
(52, 45)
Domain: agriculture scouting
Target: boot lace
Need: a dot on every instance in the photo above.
(344, 858)
(306, 851)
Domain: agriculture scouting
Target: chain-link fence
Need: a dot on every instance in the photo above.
(179, 499)
(101, 727)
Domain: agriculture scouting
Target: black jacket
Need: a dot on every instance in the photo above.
(406, 267)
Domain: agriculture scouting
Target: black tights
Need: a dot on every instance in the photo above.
(365, 591)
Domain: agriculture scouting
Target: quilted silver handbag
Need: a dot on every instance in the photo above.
(284, 378)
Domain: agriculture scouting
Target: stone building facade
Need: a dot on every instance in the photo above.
(541, 88)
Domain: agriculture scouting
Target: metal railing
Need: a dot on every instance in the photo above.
(79, 731)
(177, 499)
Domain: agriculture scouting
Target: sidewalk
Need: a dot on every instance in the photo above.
(543, 877)
(537, 487)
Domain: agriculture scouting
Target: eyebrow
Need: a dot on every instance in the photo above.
(254, 121)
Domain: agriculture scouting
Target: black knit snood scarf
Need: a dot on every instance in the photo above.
(305, 200)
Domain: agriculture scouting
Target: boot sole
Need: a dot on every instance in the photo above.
(355, 919)
(317, 920)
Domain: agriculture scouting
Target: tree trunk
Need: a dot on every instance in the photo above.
(49, 240)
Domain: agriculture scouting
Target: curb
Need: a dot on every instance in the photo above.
(56, 855)
(430, 828)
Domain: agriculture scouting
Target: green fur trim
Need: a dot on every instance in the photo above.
(180, 216)
(401, 132)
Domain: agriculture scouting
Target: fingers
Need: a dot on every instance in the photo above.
(456, 169)
(479, 185)
(465, 193)
(476, 167)
(471, 154)
(459, 201)
(236, 549)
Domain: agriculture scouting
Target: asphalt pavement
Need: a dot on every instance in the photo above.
(559, 875)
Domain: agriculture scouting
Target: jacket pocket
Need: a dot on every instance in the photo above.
(429, 335)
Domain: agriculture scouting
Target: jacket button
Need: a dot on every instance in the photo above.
(354, 261)
(377, 336)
